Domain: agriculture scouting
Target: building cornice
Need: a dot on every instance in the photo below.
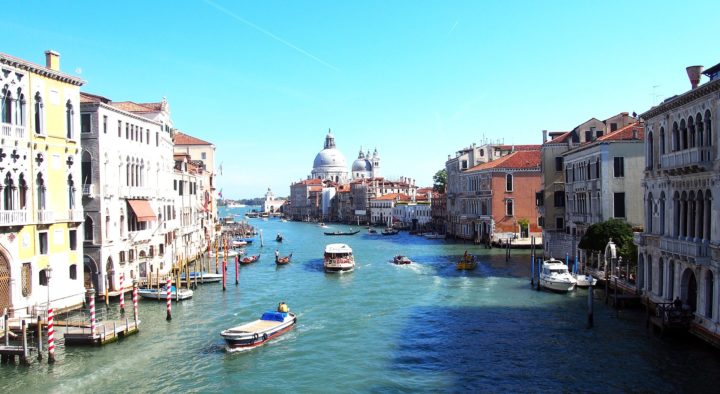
(42, 71)
(681, 100)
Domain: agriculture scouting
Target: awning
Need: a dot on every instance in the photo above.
(143, 210)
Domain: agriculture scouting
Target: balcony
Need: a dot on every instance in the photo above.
(75, 215)
(89, 190)
(136, 192)
(45, 216)
(9, 130)
(686, 161)
(686, 250)
(13, 217)
(109, 190)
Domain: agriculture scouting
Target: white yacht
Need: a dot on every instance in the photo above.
(338, 258)
(556, 277)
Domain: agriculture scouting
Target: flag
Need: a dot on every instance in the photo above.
(220, 194)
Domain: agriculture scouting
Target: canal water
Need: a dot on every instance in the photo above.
(383, 328)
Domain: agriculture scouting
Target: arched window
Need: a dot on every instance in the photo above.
(683, 135)
(708, 128)
(509, 207)
(649, 213)
(662, 141)
(649, 153)
(661, 277)
(69, 120)
(89, 236)
(40, 185)
(107, 223)
(71, 192)
(22, 191)
(709, 285)
(39, 118)
(676, 214)
(8, 191)
(649, 273)
(86, 168)
(699, 128)
(20, 112)
(508, 182)
(662, 214)
(73, 271)
(675, 137)
(7, 106)
(691, 131)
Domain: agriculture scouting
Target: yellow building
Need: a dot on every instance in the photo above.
(41, 209)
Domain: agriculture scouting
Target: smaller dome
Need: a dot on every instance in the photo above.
(361, 165)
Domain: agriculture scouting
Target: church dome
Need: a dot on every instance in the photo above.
(328, 158)
(361, 165)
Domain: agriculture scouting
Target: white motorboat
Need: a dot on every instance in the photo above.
(230, 253)
(161, 294)
(256, 333)
(556, 277)
(202, 277)
(434, 236)
(338, 258)
(584, 280)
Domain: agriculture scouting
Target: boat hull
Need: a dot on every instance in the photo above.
(339, 268)
(205, 277)
(585, 281)
(239, 341)
(557, 286)
(153, 294)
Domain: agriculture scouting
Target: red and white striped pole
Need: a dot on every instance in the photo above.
(237, 270)
(169, 298)
(122, 293)
(224, 276)
(91, 291)
(51, 337)
(135, 298)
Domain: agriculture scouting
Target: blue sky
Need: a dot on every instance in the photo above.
(417, 80)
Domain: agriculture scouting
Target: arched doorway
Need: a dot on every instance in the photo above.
(5, 289)
(90, 276)
(110, 274)
(688, 289)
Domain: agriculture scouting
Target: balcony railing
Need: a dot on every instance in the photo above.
(9, 130)
(693, 249)
(13, 217)
(75, 215)
(89, 190)
(686, 159)
(45, 216)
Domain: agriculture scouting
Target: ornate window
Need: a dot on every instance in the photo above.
(40, 184)
(39, 118)
(69, 120)
(71, 192)
(26, 279)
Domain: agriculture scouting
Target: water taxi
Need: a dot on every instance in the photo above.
(338, 258)
(555, 276)
(400, 259)
(250, 335)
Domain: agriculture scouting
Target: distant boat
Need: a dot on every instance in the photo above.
(434, 236)
(250, 259)
(235, 205)
(202, 277)
(279, 238)
(282, 260)
(342, 232)
(256, 333)
(390, 231)
(400, 259)
(467, 262)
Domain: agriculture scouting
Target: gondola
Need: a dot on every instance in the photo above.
(250, 259)
(282, 260)
(342, 232)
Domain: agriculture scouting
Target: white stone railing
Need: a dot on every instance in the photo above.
(75, 215)
(13, 217)
(20, 132)
(6, 129)
(685, 158)
(45, 216)
(684, 248)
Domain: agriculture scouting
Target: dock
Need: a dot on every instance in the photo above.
(81, 334)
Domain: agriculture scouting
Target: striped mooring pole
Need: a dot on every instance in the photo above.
(169, 298)
(135, 298)
(91, 295)
(224, 274)
(237, 269)
(51, 337)
(122, 293)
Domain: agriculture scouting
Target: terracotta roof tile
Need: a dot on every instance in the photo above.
(394, 196)
(519, 147)
(129, 106)
(516, 160)
(184, 139)
(625, 133)
(93, 98)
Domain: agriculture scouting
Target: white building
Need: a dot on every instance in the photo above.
(272, 204)
(191, 238)
(330, 163)
(127, 196)
(413, 214)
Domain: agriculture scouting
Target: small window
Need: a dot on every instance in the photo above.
(26, 279)
(175, 184)
(509, 207)
(69, 120)
(619, 205)
(619, 167)
(43, 277)
(508, 183)
(559, 199)
(613, 127)
(558, 164)
(161, 249)
(105, 120)
(463, 164)
(43, 242)
(203, 155)
(559, 223)
(85, 123)
(73, 239)
(588, 135)
(73, 271)
(119, 128)
(122, 257)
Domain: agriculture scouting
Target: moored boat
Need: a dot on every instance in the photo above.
(555, 276)
(161, 294)
(338, 258)
(202, 277)
(250, 259)
(230, 253)
(434, 236)
(390, 231)
(467, 262)
(255, 333)
(342, 232)
(584, 280)
(400, 259)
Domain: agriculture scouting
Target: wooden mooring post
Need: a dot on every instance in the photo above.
(590, 318)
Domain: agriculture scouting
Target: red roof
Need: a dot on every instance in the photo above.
(129, 106)
(184, 139)
(518, 147)
(93, 98)
(394, 196)
(626, 133)
(516, 160)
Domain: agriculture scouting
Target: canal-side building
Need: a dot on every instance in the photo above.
(458, 223)
(381, 208)
(603, 181)
(551, 199)
(438, 213)
(41, 213)
(305, 199)
(499, 198)
(679, 250)
(126, 191)
(191, 238)
(271, 204)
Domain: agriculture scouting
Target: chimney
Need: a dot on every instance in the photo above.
(693, 73)
(544, 136)
(52, 60)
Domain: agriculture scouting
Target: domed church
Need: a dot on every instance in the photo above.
(330, 163)
(366, 166)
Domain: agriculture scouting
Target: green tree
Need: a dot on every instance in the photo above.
(598, 235)
(439, 181)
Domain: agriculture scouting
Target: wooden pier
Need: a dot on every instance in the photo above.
(81, 334)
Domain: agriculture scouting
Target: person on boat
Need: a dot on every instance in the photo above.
(282, 307)
(277, 253)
